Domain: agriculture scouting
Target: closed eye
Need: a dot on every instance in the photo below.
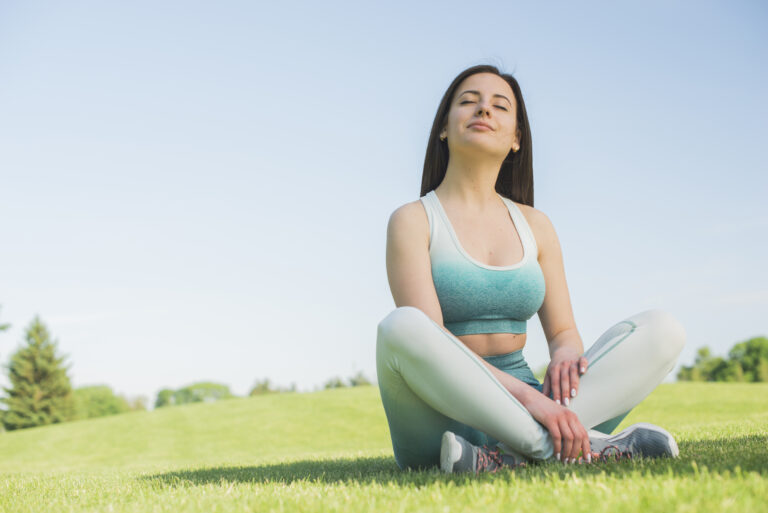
(497, 106)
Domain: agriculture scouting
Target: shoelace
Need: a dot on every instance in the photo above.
(491, 460)
(611, 453)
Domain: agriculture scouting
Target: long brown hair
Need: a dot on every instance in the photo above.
(515, 179)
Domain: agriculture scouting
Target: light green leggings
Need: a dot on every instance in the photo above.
(431, 382)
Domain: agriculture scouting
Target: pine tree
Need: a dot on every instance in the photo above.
(40, 392)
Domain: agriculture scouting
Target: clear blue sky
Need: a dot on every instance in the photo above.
(200, 190)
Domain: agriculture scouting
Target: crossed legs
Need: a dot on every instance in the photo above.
(431, 382)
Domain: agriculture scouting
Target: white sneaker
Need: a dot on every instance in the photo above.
(458, 455)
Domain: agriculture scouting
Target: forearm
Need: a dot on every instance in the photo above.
(569, 338)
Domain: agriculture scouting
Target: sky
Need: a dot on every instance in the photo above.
(199, 191)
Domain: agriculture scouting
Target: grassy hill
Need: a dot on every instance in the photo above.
(330, 451)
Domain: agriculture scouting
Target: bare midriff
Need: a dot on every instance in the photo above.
(491, 344)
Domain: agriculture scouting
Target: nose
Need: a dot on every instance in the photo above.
(482, 109)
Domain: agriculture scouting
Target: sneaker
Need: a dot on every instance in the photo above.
(458, 455)
(637, 440)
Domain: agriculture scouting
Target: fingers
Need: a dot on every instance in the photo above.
(562, 380)
(569, 437)
(574, 379)
(567, 434)
(565, 382)
(586, 449)
(554, 375)
(578, 439)
(554, 432)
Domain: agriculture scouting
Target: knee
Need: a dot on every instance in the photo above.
(400, 326)
(408, 330)
(667, 335)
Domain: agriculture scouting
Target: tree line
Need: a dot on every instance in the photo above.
(41, 392)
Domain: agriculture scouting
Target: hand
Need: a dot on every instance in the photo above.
(563, 372)
(568, 433)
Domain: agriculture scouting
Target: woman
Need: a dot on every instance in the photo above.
(468, 264)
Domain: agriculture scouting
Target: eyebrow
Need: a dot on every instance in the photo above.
(495, 95)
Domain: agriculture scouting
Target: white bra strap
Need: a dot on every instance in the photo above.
(523, 227)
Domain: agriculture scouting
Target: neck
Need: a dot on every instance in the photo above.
(471, 182)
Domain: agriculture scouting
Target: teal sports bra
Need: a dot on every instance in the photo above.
(476, 297)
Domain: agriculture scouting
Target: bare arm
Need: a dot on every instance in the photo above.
(556, 314)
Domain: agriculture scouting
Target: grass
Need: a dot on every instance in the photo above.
(330, 451)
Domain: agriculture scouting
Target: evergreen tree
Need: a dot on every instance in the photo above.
(40, 392)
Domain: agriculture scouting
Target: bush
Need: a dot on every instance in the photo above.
(98, 401)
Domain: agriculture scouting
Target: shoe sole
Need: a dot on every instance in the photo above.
(450, 452)
(651, 427)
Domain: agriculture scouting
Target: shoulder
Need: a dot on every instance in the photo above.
(541, 226)
(409, 221)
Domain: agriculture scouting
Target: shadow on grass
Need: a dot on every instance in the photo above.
(734, 455)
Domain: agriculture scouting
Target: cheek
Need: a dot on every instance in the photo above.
(508, 132)
(453, 120)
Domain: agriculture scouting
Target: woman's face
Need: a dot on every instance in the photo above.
(485, 98)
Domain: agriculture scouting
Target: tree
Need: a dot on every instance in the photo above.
(747, 361)
(41, 392)
(359, 380)
(265, 387)
(752, 355)
(164, 398)
(204, 391)
(762, 371)
(335, 382)
(705, 367)
(98, 401)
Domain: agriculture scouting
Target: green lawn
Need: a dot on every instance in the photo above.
(330, 451)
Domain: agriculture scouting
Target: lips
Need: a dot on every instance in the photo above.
(480, 124)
